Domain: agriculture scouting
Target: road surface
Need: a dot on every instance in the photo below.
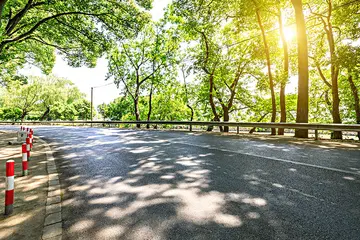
(125, 184)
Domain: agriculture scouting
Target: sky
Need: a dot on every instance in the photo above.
(85, 78)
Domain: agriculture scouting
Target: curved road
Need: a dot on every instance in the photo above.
(124, 184)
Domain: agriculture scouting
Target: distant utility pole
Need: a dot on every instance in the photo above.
(92, 99)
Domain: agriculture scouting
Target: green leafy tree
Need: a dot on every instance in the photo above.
(81, 31)
(23, 97)
(138, 61)
(44, 98)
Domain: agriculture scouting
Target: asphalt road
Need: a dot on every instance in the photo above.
(124, 184)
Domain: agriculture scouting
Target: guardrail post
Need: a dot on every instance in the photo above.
(316, 134)
(237, 129)
(9, 190)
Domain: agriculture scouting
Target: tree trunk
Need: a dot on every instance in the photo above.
(136, 106)
(46, 113)
(226, 118)
(327, 100)
(187, 97)
(150, 106)
(334, 73)
(137, 113)
(285, 76)
(268, 63)
(192, 115)
(336, 102)
(355, 94)
(302, 113)
(211, 100)
(23, 115)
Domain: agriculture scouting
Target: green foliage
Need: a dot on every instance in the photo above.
(49, 98)
(81, 31)
(119, 109)
(139, 63)
(8, 113)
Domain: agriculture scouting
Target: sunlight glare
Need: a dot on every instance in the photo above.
(290, 33)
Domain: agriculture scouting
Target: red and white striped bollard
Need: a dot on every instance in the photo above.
(9, 192)
(28, 148)
(24, 160)
(31, 140)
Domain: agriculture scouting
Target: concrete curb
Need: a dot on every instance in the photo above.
(53, 219)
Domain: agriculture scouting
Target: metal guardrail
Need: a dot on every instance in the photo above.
(310, 126)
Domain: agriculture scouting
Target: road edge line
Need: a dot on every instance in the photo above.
(52, 228)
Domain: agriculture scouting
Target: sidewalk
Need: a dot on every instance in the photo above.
(27, 220)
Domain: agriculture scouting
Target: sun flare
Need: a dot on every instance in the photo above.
(290, 33)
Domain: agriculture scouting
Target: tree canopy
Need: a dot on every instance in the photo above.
(80, 31)
(49, 98)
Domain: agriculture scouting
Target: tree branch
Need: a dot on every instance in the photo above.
(74, 29)
(206, 51)
(322, 75)
(238, 74)
(2, 5)
(44, 20)
(42, 41)
(122, 79)
(219, 97)
(147, 77)
(15, 20)
(129, 57)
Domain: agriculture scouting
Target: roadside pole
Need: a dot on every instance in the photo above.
(28, 148)
(24, 159)
(9, 192)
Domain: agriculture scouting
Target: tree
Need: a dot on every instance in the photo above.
(186, 71)
(350, 58)
(302, 114)
(285, 74)
(119, 109)
(54, 91)
(103, 110)
(45, 98)
(9, 113)
(23, 97)
(140, 59)
(220, 59)
(268, 63)
(79, 30)
(326, 21)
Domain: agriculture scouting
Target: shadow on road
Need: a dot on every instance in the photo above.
(129, 186)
